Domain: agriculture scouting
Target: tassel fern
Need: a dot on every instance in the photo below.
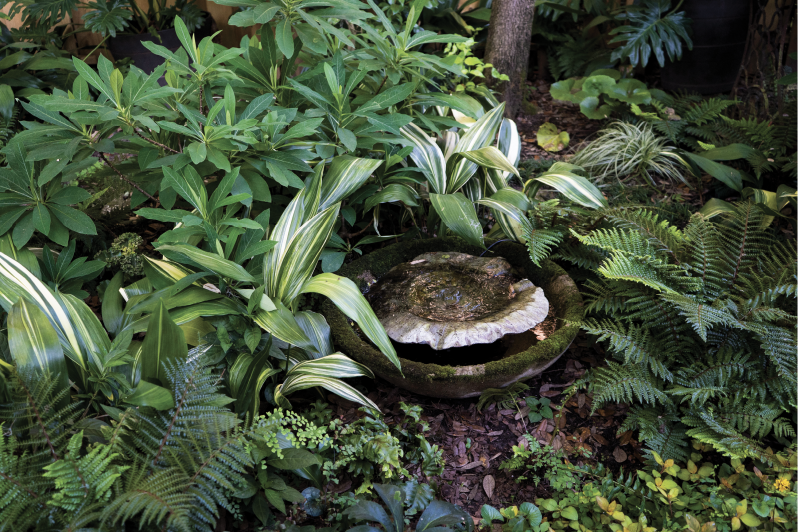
(701, 326)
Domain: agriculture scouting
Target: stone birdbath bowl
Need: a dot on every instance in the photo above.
(461, 323)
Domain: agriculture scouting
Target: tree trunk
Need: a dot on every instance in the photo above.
(508, 48)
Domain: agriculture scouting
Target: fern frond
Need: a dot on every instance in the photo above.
(541, 242)
(707, 427)
(633, 343)
(626, 384)
(661, 235)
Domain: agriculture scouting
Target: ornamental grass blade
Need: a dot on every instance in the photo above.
(34, 344)
(428, 156)
(345, 294)
(458, 214)
(344, 176)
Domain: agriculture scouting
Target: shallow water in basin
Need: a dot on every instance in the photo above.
(441, 293)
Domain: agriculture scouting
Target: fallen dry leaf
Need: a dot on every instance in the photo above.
(620, 455)
(488, 485)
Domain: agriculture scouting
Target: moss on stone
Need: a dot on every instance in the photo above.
(443, 381)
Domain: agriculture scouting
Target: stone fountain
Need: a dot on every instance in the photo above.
(437, 296)
(449, 300)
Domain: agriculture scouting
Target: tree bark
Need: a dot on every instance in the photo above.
(508, 48)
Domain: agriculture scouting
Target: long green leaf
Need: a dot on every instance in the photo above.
(490, 157)
(164, 341)
(152, 395)
(303, 252)
(346, 295)
(512, 220)
(208, 261)
(281, 324)
(334, 365)
(458, 214)
(479, 135)
(726, 174)
(317, 330)
(34, 344)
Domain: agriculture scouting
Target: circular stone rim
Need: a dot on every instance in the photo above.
(450, 382)
(528, 309)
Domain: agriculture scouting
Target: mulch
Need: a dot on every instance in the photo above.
(475, 443)
(566, 116)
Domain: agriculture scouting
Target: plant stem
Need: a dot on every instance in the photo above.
(121, 176)
(151, 141)
(201, 99)
(382, 82)
(96, 47)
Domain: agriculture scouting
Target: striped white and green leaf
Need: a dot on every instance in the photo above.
(317, 330)
(479, 135)
(348, 298)
(208, 261)
(282, 325)
(428, 156)
(491, 158)
(510, 144)
(344, 176)
(300, 258)
(576, 188)
(458, 214)
(325, 372)
(512, 220)
(34, 344)
(16, 283)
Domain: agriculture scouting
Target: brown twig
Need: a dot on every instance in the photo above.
(153, 142)
(121, 176)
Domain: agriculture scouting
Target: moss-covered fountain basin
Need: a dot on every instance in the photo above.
(448, 381)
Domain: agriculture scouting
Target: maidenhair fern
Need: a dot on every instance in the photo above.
(701, 327)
